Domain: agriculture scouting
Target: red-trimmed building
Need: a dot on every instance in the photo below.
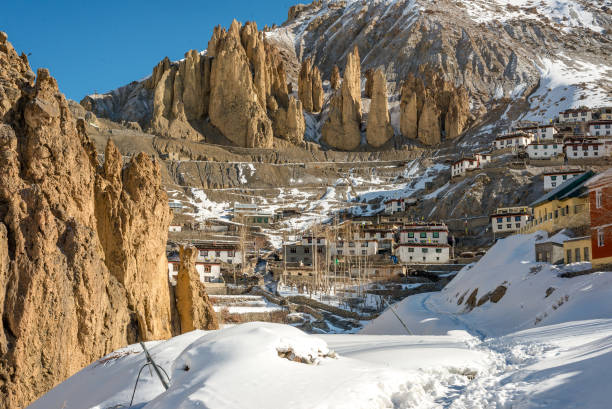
(600, 199)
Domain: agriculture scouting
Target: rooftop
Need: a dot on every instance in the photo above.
(574, 187)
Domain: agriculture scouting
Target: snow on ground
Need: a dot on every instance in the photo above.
(241, 304)
(568, 14)
(535, 295)
(567, 83)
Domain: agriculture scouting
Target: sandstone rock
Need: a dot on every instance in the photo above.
(289, 123)
(408, 110)
(317, 90)
(192, 302)
(61, 306)
(132, 219)
(379, 125)
(335, 78)
(235, 106)
(342, 130)
(369, 75)
(310, 87)
(432, 108)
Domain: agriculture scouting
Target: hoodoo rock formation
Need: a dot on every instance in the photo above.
(239, 84)
(194, 307)
(342, 130)
(83, 269)
(335, 80)
(379, 125)
(369, 76)
(310, 87)
(432, 108)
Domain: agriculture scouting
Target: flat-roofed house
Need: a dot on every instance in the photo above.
(513, 140)
(576, 115)
(581, 148)
(424, 234)
(600, 198)
(556, 178)
(509, 219)
(423, 253)
(600, 128)
(544, 149)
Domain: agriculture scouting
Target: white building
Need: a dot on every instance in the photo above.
(544, 150)
(540, 132)
(354, 248)
(600, 128)
(175, 228)
(241, 209)
(586, 148)
(423, 253)
(216, 253)
(384, 237)
(394, 206)
(554, 179)
(462, 165)
(576, 115)
(513, 140)
(208, 272)
(424, 234)
(509, 219)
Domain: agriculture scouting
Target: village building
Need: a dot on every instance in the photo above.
(566, 206)
(513, 140)
(424, 234)
(600, 128)
(577, 250)
(176, 207)
(423, 253)
(394, 205)
(509, 219)
(209, 272)
(600, 198)
(220, 252)
(175, 228)
(544, 149)
(576, 115)
(384, 236)
(540, 132)
(353, 248)
(461, 166)
(581, 148)
(258, 219)
(605, 113)
(556, 178)
(549, 251)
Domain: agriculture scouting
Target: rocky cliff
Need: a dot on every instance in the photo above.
(342, 130)
(83, 269)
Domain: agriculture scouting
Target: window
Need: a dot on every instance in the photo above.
(438, 250)
(517, 218)
(569, 256)
(554, 184)
(363, 252)
(564, 177)
(598, 199)
(423, 235)
(364, 244)
(410, 250)
(203, 253)
(556, 214)
(293, 250)
(218, 254)
(352, 252)
(306, 250)
(508, 219)
(500, 219)
(586, 254)
(175, 267)
(600, 238)
(577, 253)
(499, 227)
(411, 235)
(553, 178)
(436, 235)
(339, 252)
(424, 250)
(352, 244)
(509, 226)
(518, 226)
(231, 253)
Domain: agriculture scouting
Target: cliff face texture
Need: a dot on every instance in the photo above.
(379, 125)
(74, 280)
(194, 307)
(432, 108)
(239, 84)
(342, 130)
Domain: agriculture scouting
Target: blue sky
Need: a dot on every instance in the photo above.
(91, 45)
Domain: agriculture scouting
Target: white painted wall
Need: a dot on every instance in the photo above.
(552, 181)
(405, 236)
(508, 223)
(415, 253)
(544, 151)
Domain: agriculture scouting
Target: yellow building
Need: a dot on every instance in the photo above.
(566, 206)
(577, 250)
